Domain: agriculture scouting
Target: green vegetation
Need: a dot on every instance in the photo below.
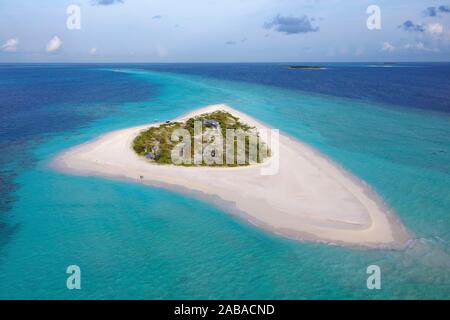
(156, 145)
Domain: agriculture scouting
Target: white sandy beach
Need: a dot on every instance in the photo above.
(310, 198)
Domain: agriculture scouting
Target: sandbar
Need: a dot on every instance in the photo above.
(310, 198)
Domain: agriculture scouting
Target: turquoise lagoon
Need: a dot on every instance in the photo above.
(136, 242)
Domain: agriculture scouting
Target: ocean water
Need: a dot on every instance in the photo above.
(389, 126)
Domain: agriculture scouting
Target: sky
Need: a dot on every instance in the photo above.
(157, 31)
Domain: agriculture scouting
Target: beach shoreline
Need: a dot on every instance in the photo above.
(311, 198)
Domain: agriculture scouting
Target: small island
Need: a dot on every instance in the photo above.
(297, 192)
(305, 67)
(157, 143)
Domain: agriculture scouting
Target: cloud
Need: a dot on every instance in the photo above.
(435, 28)
(430, 12)
(10, 45)
(419, 46)
(444, 9)
(412, 27)
(54, 45)
(435, 11)
(93, 51)
(291, 25)
(388, 47)
(157, 17)
(105, 2)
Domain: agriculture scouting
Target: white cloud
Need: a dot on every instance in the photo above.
(54, 45)
(10, 45)
(435, 28)
(387, 47)
(419, 46)
(93, 51)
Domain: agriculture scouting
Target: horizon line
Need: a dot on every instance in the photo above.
(225, 62)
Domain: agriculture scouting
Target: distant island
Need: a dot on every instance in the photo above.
(305, 67)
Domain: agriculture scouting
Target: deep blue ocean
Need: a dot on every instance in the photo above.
(389, 125)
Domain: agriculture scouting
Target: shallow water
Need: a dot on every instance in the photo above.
(133, 241)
